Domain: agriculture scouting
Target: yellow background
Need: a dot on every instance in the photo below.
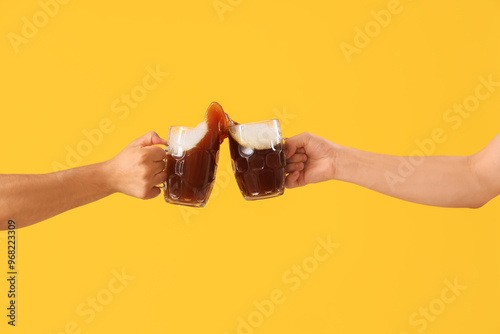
(199, 274)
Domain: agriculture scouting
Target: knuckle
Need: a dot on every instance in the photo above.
(145, 174)
(162, 176)
(143, 156)
(158, 150)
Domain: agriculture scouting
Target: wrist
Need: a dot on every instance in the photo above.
(344, 163)
(107, 179)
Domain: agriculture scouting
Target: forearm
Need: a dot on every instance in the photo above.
(28, 199)
(447, 181)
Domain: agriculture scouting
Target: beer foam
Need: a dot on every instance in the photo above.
(186, 139)
(256, 136)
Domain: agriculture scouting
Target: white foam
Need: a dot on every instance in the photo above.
(256, 136)
(184, 139)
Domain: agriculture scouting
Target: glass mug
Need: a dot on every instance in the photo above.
(258, 159)
(191, 165)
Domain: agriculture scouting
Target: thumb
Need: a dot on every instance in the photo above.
(296, 142)
(150, 138)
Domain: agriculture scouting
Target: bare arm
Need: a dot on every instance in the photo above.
(28, 199)
(447, 181)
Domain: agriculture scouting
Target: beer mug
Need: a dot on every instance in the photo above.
(191, 164)
(258, 159)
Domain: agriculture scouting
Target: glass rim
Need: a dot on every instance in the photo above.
(181, 127)
(274, 120)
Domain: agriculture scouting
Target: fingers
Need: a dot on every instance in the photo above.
(150, 138)
(157, 167)
(296, 162)
(152, 193)
(156, 153)
(297, 157)
(155, 188)
(295, 167)
(159, 178)
(150, 188)
(297, 142)
(292, 180)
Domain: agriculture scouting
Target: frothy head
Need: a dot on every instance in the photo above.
(182, 139)
(257, 136)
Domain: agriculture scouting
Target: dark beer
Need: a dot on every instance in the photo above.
(257, 157)
(260, 173)
(191, 174)
(191, 162)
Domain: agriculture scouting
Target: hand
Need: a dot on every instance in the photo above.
(310, 159)
(139, 168)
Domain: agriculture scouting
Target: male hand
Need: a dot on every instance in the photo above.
(310, 159)
(139, 168)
